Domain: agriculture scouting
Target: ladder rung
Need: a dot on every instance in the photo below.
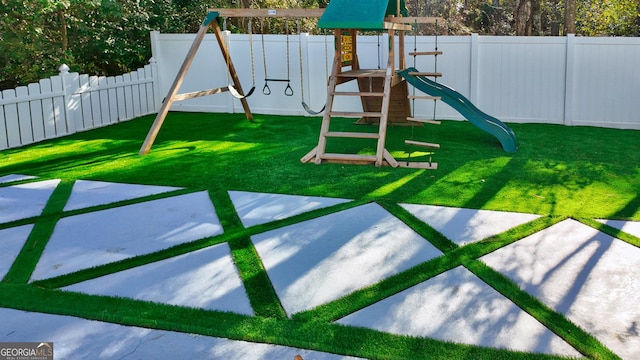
(427, 121)
(423, 97)
(364, 73)
(346, 134)
(418, 165)
(360, 114)
(414, 53)
(344, 93)
(435, 74)
(347, 157)
(424, 144)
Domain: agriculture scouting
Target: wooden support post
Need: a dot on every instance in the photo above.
(172, 96)
(231, 69)
(168, 100)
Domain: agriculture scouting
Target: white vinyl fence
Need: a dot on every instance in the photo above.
(72, 102)
(559, 80)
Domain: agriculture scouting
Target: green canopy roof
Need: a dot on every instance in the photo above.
(359, 14)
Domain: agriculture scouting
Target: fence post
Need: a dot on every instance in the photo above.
(569, 80)
(67, 98)
(155, 84)
(155, 44)
(473, 71)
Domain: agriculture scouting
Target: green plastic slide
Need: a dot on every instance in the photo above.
(462, 105)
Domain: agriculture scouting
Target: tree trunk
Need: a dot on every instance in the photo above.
(63, 31)
(570, 17)
(522, 18)
(536, 17)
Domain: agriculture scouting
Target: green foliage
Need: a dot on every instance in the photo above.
(608, 18)
(109, 37)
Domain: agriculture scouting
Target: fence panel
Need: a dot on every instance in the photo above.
(35, 112)
(560, 80)
(24, 116)
(59, 106)
(71, 102)
(607, 82)
(48, 113)
(11, 118)
(4, 140)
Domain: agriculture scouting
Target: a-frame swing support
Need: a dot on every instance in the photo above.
(208, 23)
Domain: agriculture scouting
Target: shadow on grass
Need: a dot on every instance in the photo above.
(558, 170)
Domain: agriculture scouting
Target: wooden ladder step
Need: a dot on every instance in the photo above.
(424, 97)
(423, 144)
(419, 73)
(417, 53)
(347, 134)
(361, 94)
(347, 157)
(351, 113)
(363, 73)
(426, 121)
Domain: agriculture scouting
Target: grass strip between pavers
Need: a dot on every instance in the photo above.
(318, 336)
(561, 326)
(27, 259)
(558, 172)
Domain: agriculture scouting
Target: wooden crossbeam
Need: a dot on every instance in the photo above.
(415, 19)
(388, 24)
(418, 53)
(287, 13)
(195, 94)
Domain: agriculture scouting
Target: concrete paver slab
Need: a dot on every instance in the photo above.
(25, 200)
(87, 193)
(631, 227)
(259, 208)
(101, 237)
(15, 177)
(320, 260)
(81, 339)
(589, 276)
(457, 306)
(464, 226)
(206, 279)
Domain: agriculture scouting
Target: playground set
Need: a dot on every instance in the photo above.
(384, 92)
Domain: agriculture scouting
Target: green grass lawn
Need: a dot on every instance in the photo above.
(558, 172)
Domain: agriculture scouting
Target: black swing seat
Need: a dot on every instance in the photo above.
(236, 94)
(311, 112)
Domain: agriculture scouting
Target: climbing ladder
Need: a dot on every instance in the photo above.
(367, 85)
(383, 92)
(435, 74)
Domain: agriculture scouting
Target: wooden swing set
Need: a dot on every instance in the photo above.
(383, 93)
(234, 86)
